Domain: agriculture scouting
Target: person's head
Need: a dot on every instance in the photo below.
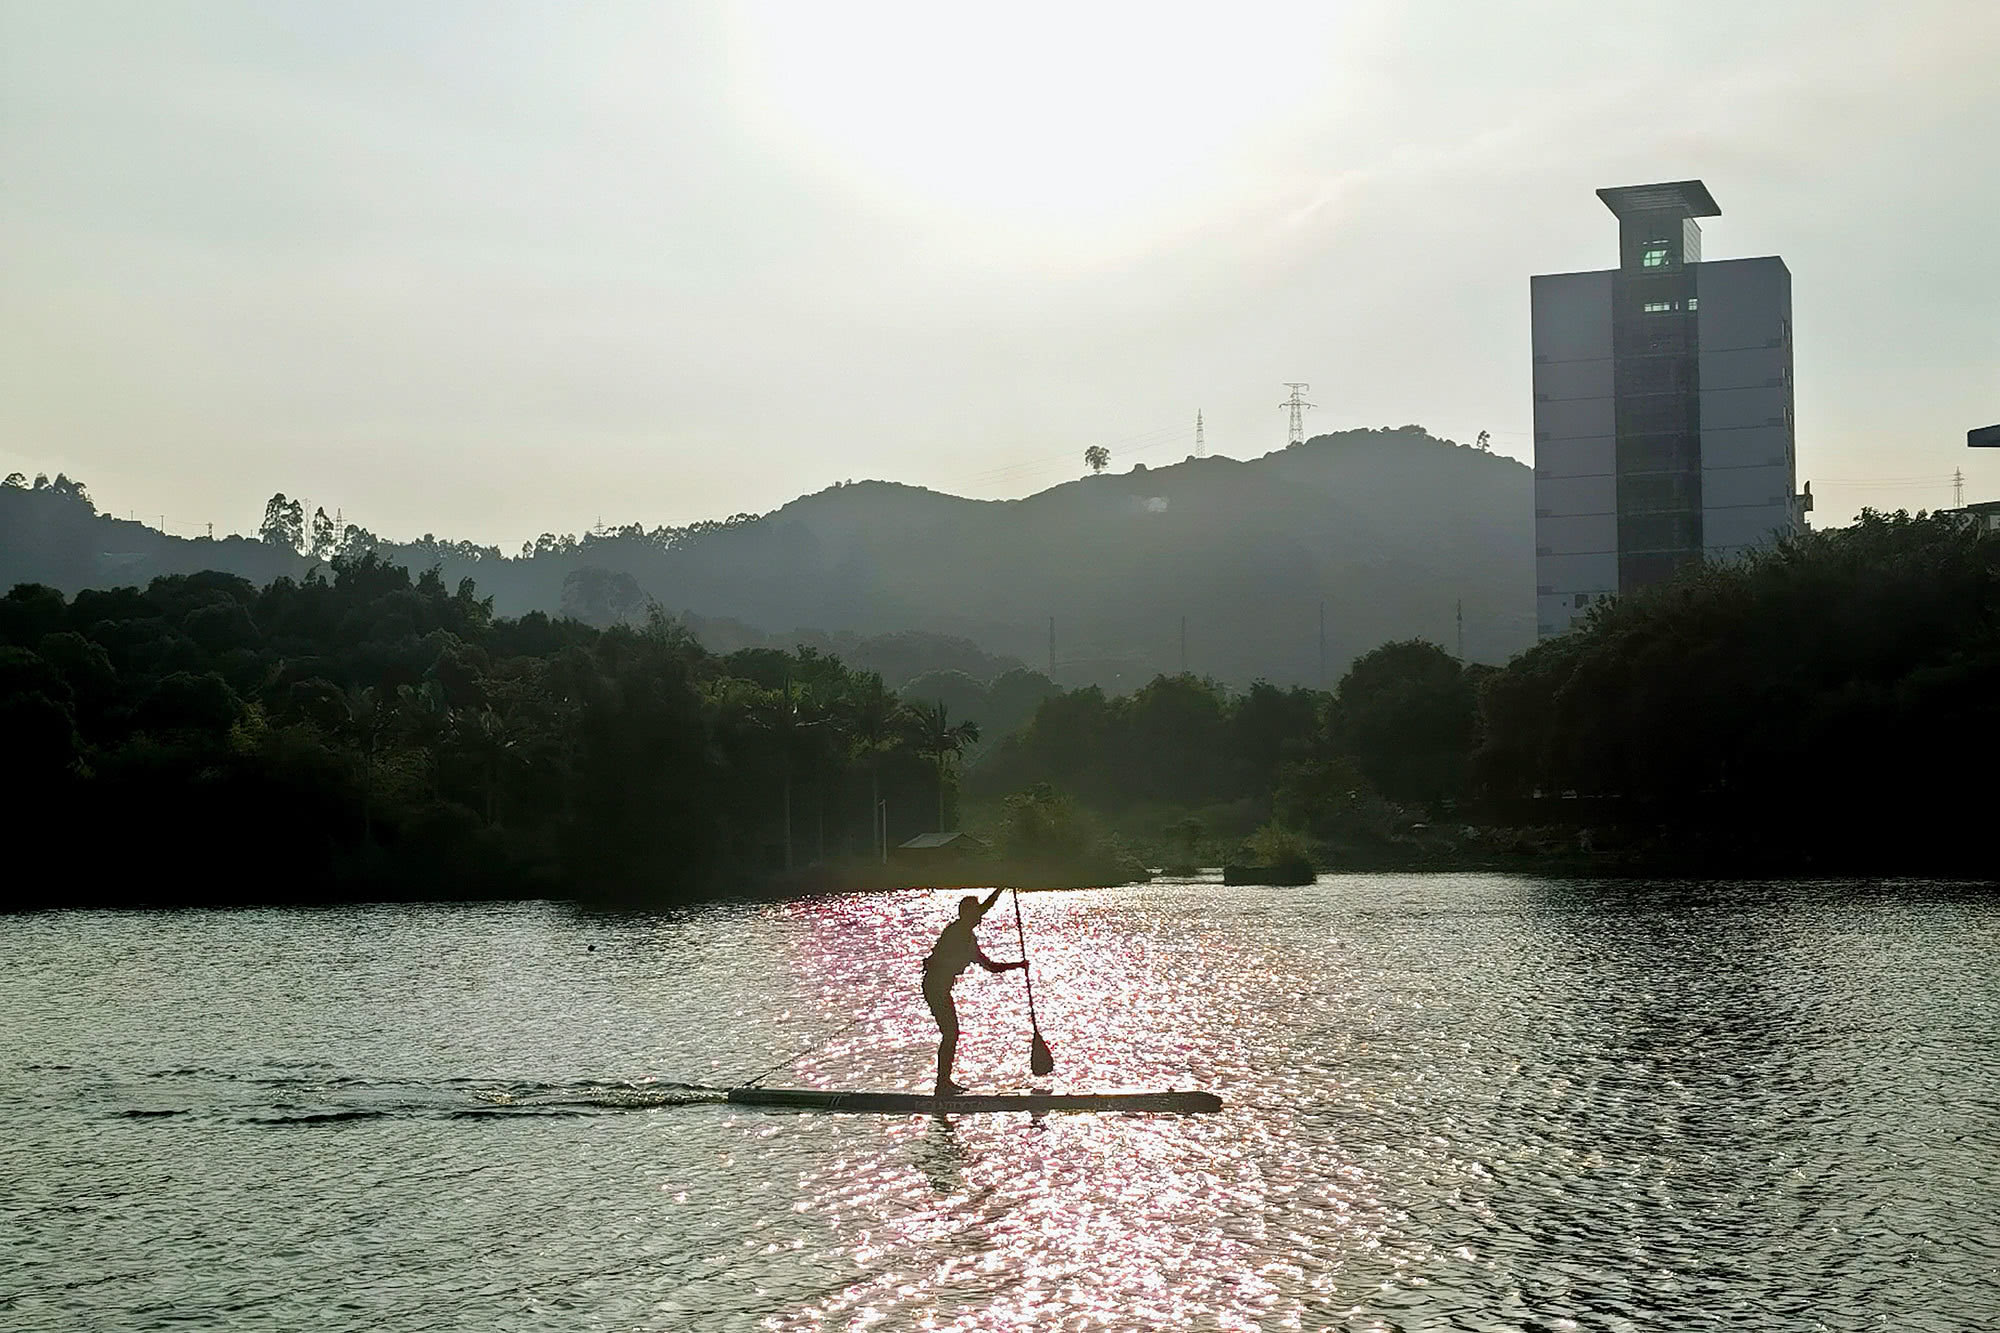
(968, 907)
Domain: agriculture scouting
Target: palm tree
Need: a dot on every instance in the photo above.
(494, 745)
(785, 715)
(809, 746)
(875, 719)
(366, 720)
(425, 718)
(937, 737)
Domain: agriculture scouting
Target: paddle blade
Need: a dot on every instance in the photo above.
(1040, 1059)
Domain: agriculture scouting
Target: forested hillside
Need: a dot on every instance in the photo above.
(1388, 531)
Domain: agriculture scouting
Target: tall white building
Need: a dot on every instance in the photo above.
(1663, 407)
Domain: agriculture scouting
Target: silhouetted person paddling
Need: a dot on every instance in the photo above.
(956, 950)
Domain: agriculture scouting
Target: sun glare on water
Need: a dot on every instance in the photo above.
(1030, 113)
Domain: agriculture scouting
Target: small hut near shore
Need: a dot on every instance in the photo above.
(939, 848)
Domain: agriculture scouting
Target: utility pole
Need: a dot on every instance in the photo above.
(1052, 647)
(1200, 445)
(1461, 631)
(785, 741)
(1297, 405)
(1958, 488)
(1322, 645)
(1183, 645)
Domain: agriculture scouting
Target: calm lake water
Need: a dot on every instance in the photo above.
(1455, 1102)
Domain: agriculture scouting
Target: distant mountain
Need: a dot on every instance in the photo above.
(56, 536)
(1389, 530)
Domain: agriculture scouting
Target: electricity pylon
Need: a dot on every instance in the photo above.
(1298, 405)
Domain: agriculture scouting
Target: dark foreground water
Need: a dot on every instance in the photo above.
(1456, 1102)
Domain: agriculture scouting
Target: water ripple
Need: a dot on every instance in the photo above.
(1454, 1102)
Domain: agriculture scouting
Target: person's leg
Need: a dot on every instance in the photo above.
(945, 1011)
(947, 1044)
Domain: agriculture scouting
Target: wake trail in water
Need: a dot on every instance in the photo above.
(606, 1096)
(289, 1099)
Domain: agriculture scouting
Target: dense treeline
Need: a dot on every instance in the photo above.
(1834, 700)
(1829, 702)
(1189, 768)
(366, 733)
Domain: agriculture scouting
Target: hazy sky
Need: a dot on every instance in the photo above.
(492, 269)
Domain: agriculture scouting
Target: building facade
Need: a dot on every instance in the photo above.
(1985, 516)
(1663, 408)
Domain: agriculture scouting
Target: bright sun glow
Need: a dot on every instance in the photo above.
(1035, 111)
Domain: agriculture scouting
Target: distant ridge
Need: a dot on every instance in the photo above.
(1390, 528)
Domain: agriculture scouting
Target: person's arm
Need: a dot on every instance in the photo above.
(979, 957)
(991, 899)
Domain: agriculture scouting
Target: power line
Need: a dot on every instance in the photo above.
(1875, 481)
(1885, 484)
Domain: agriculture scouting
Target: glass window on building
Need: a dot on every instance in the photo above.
(1655, 255)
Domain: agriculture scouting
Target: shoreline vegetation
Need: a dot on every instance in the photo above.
(1827, 707)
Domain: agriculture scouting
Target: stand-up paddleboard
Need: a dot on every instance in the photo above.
(910, 1103)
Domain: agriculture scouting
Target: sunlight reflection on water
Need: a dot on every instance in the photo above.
(1452, 1102)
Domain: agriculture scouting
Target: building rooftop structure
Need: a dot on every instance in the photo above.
(1690, 199)
(928, 842)
(1982, 515)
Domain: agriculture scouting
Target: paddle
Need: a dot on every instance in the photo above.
(1041, 1061)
